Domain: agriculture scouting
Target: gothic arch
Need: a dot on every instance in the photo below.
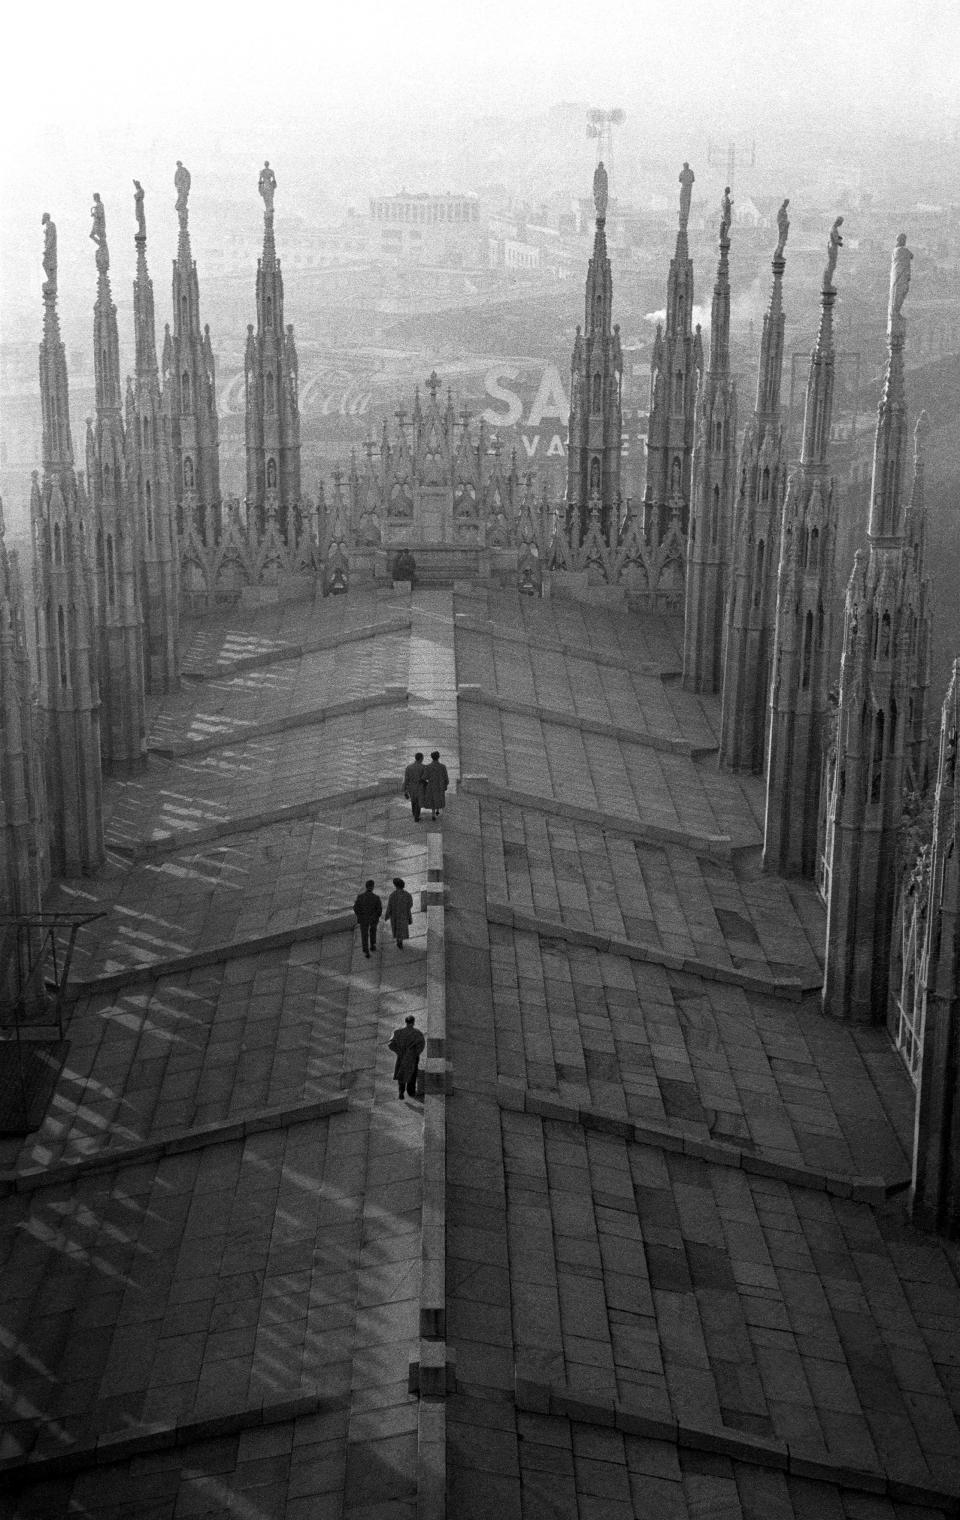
(758, 575)
(807, 651)
(876, 759)
(61, 645)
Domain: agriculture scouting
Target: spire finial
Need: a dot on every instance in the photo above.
(899, 285)
(267, 185)
(181, 182)
(686, 192)
(834, 244)
(98, 233)
(49, 257)
(138, 210)
(726, 215)
(600, 186)
(783, 229)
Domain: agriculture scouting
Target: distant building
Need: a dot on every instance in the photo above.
(428, 229)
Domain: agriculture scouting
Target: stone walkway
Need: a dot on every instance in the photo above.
(680, 1280)
(245, 1276)
(641, 1248)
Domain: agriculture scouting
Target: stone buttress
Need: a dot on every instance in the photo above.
(23, 859)
(878, 674)
(119, 622)
(714, 484)
(64, 608)
(755, 552)
(799, 695)
(936, 1151)
(149, 470)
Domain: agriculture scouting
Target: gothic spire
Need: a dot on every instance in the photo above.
(819, 405)
(771, 343)
(145, 363)
(891, 438)
(181, 181)
(595, 425)
(751, 603)
(106, 343)
(719, 366)
(915, 517)
(882, 684)
(713, 488)
(674, 375)
(54, 393)
(267, 186)
(799, 699)
(271, 391)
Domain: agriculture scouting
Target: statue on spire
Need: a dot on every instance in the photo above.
(49, 256)
(783, 228)
(138, 209)
(899, 285)
(686, 192)
(834, 244)
(267, 185)
(98, 233)
(600, 190)
(726, 215)
(181, 182)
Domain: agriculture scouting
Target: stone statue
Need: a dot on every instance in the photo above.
(267, 184)
(600, 190)
(98, 231)
(899, 282)
(138, 209)
(181, 182)
(686, 191)
(834, 244)
(783, 227)
(49, 254)
(726, 215)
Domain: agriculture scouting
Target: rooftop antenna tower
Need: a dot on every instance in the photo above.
(600, 124)
(714, 151)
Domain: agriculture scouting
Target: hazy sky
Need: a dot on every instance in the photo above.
(335, 95)
(97, 66)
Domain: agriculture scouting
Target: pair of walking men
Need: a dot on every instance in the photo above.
(368, 908)
(426, 785)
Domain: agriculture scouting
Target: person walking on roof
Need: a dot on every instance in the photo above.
(368, 909)
(399, 911)
(407, 1044)
(413, 784)
(436, 781)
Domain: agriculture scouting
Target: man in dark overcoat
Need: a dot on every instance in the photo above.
(436, 780)
(407, 1044)
(400, 911)
(413, 784)
(368, 909)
